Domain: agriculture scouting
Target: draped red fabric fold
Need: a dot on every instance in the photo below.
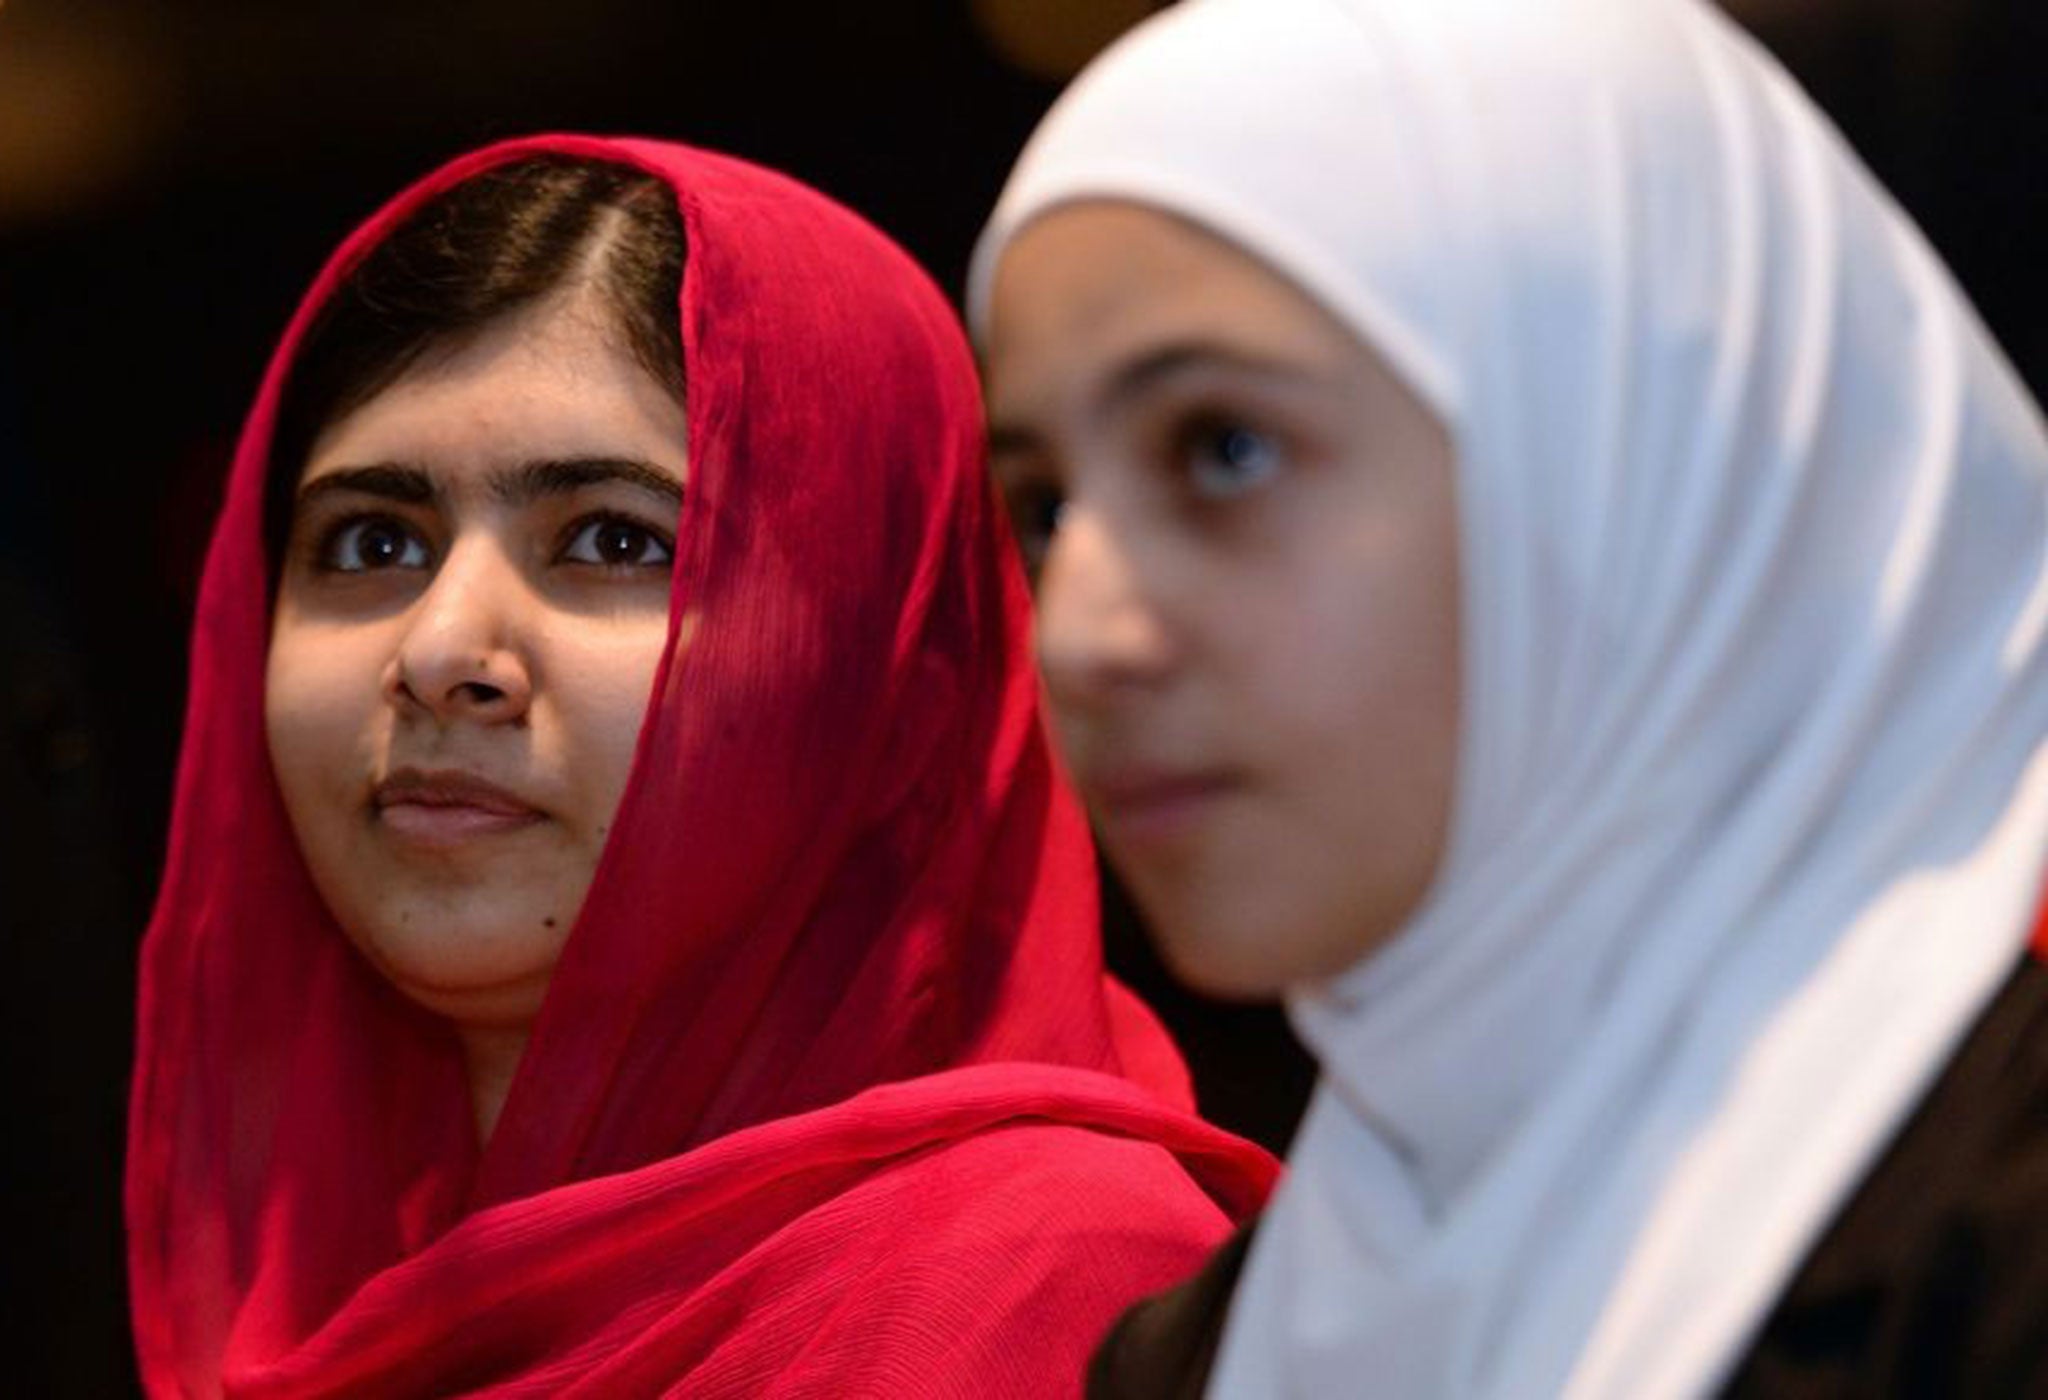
(830, 1094)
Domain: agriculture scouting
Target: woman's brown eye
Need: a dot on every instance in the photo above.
(373, 542)
(617, 544)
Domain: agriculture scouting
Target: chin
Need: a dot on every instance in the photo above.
(473, 970)
(469, 1000)
(1219, 974)
(1213, 952)
(1249, 949)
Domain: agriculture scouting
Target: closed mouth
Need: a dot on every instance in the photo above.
(1144, 804)
(449, 806)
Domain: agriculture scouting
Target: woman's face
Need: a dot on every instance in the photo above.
(471, 613)
(1245, 540)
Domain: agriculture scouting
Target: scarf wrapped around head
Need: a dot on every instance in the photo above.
(829, 1089)
(1751, 809)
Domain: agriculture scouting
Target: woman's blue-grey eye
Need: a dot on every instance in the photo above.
(617, 544)
(1229, 460)
(374, 542)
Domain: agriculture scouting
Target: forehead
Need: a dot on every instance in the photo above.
(550, 380)
(1090, 285)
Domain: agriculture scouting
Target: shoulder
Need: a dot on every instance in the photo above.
(1036, 1190)
(969, 1236)
(1165, 1346)
(991, 1266)
(1933, 1278)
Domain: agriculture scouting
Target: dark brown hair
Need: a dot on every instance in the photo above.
(495, 243)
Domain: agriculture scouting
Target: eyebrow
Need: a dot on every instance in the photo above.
(1171, 361)
(516, 486)
(560, 476)
(1142, 375)
(387, 480)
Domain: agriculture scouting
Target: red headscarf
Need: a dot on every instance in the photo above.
(830, 1094)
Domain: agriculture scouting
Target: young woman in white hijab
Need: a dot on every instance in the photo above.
(1539, 563)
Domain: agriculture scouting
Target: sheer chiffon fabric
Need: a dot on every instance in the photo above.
(830, 1093)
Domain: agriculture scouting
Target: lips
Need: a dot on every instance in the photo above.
(448, 807)
(1144, 805)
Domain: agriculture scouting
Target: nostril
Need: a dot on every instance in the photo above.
(480, 692)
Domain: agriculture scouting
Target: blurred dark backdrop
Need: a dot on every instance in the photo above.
(172, 174)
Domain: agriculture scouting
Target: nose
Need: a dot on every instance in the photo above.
(463, 653)
(1100, 633)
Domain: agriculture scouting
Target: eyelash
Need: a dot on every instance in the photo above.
(338, 536)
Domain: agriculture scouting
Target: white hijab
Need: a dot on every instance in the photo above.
(1752, 809)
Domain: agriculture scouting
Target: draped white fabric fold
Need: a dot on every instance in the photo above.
(1752, 807)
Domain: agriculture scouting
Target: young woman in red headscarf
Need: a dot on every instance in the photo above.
(505, 1030)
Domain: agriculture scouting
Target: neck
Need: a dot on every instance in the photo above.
(491, 1056)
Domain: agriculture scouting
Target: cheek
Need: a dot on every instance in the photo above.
(605, 684)
(1350, 688)
(1378, 698)
(1374, 667)
(320, 697)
